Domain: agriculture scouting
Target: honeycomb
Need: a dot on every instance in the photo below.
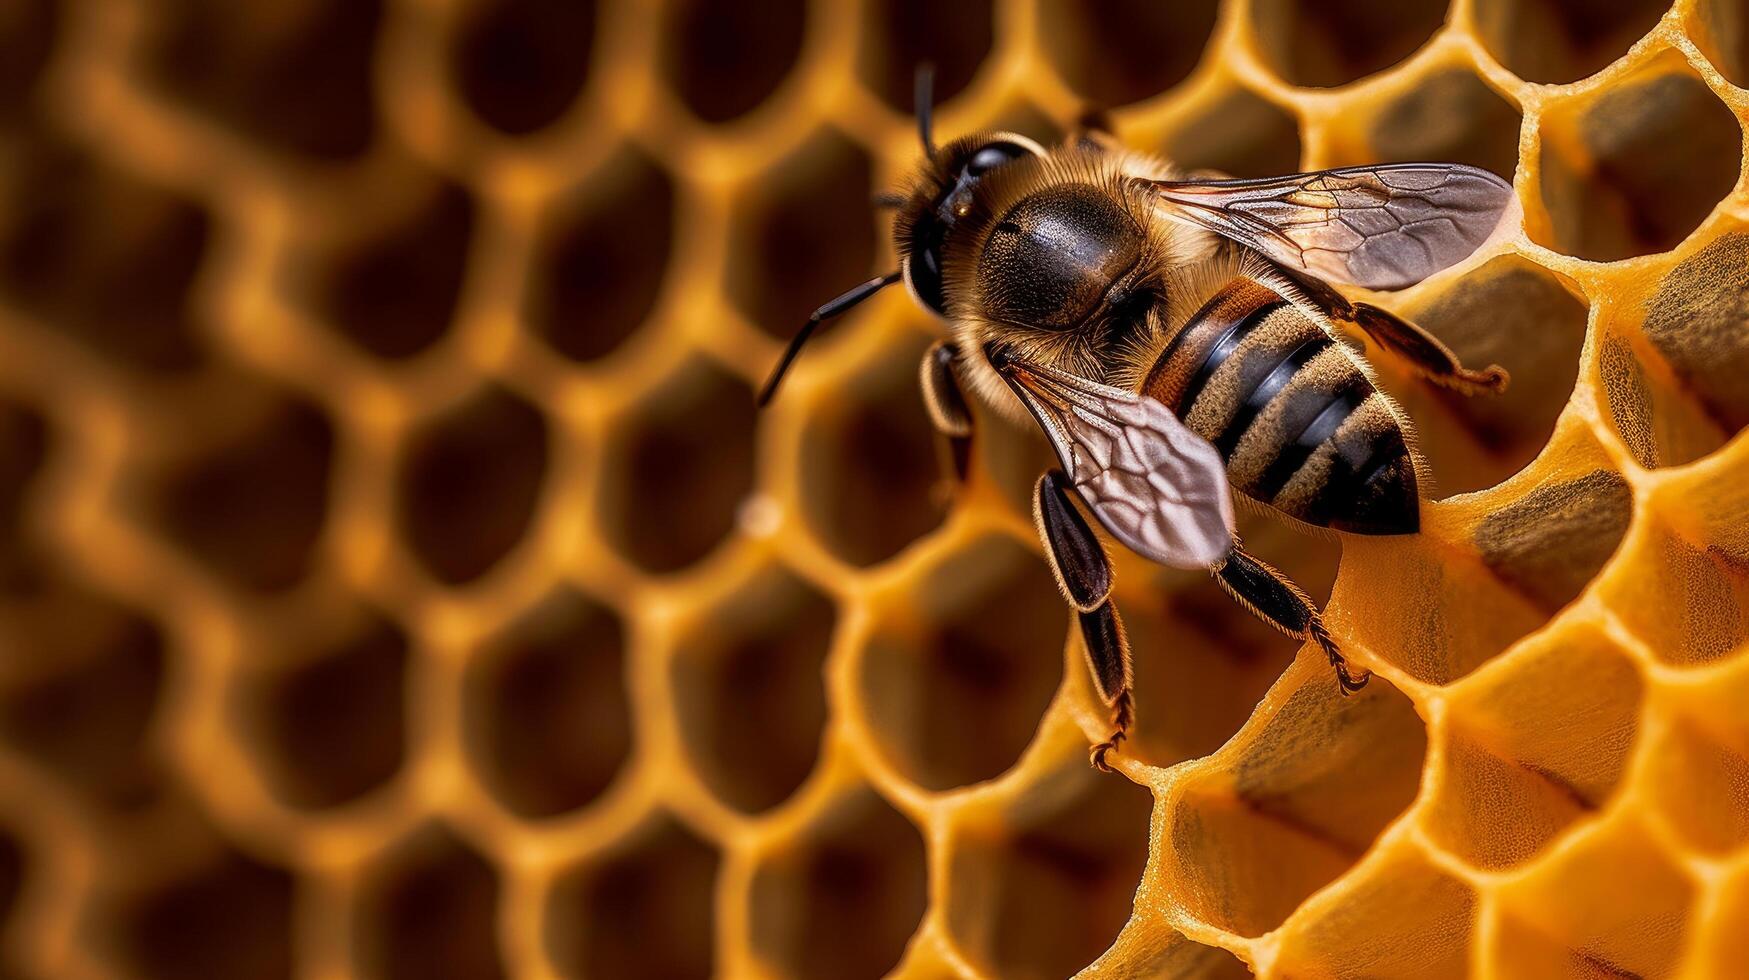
(397, 580)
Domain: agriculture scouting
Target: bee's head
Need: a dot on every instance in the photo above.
(941, 195)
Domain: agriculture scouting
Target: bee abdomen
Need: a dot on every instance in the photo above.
(1359, 477)
(1298, 423)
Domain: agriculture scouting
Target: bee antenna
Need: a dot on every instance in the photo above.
(888, 202)
(842, 304)
(923, 100)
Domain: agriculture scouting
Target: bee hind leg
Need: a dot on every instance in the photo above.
(1426, 354)
(1083, 573)
(1423, 352)
(1093, 131)
(946, 404)
(1276, 600)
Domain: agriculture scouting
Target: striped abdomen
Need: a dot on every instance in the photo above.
(1299, 425)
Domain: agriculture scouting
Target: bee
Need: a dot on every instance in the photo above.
(1177, 338)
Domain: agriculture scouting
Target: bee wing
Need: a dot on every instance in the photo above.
(1381, 227)
(1158, 487)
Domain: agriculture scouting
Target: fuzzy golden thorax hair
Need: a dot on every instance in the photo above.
(1103, 346)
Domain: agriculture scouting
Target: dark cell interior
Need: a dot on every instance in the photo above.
(1514, 314)
(85, 693)
(469, 483)
(428, 911)
(16, 870)
(545, 714)
(1239, 134)
(1201, 663)
(725, 58)
(102, 256)
(1659, 419)
(295, 77)
(803, 234)
(1454, 117)
(1723, 33)
(1563, 40)
(1118, 52)
(230, 918)
(1048, 895)
(519, 64)
(250, 507)
(843, 900)
(26, 442)
(1324, 43)
(871, 471)
(29, 34)
(1696, 321)
(678, 468)
(899, 35)
(1658, 152)
(393, 291)
(642, 909)
(601, 259)
(958, 700)
(1551, 542)
(748, 679)
(331, 725)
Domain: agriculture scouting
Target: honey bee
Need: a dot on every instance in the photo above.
(1177, 339)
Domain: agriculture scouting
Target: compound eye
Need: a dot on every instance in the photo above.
(993, 155)
(925, 269)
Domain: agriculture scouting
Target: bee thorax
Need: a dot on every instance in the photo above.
(1050, 260)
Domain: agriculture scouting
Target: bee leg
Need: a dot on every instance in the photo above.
(1275, 599)
(1083, 573)
(1423, 351)
(1093, 131)
(946, 404)
(1426, 354)
(1108, 654)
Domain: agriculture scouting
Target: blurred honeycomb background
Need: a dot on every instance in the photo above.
(396, 580)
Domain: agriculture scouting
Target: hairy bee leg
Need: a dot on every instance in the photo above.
(1083, 573)
(1426, 354)
(946, 404)
(1423, 351)
(1275, 599)
(1094, 131)
(1078, 560)
(1108, 655)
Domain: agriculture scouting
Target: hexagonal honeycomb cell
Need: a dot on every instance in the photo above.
(397, 579)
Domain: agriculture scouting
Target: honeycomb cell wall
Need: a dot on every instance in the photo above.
(396, 579)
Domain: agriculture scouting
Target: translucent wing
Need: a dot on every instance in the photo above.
(1158, 487)
(1382, 227)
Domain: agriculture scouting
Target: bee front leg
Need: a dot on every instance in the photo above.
(1083, 573)
(946, 404)
(1275, 599)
